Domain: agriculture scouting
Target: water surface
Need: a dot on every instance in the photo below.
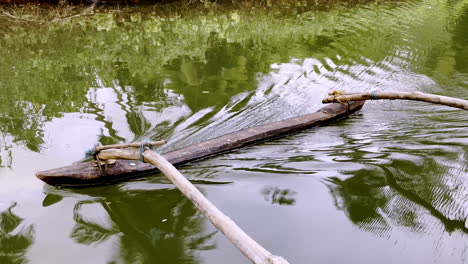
(387, 185)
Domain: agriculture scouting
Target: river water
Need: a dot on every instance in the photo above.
(387, 185)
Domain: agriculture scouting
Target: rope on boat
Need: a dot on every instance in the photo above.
(91, 153)
(143, 145)
(147, 143)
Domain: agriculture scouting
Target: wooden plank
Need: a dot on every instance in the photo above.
(85, 174)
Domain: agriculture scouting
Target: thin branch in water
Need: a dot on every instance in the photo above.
(58, 16)
(19, 19)
(85, 12)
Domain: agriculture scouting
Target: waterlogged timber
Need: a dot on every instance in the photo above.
(386, 186)
(86, 174)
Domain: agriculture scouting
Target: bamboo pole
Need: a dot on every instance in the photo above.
(340, 96)
(249, 247)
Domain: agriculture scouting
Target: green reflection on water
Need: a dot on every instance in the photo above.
(14, 238)
(220, 53)
(191, 75)
(152, 226)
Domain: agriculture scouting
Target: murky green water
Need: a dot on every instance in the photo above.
(388, 185)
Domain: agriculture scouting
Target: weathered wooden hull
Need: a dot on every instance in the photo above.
(85, 174)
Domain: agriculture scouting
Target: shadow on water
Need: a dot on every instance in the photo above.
(15, 237)
(151, 226)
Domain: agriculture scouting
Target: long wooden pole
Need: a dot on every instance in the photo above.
(339, 96)
(249, 247)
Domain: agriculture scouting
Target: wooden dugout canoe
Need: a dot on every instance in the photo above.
(85, 174)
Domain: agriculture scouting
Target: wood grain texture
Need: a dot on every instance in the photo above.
(339, 96)
(84, 174)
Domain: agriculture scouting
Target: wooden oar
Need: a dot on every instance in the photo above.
(340, 96)
(249, 247)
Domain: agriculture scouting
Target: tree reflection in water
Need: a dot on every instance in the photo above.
(380, 199)
(153, 226)
(14, 243)
(275, 195)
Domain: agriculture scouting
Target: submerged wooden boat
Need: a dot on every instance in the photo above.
(86, 174)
